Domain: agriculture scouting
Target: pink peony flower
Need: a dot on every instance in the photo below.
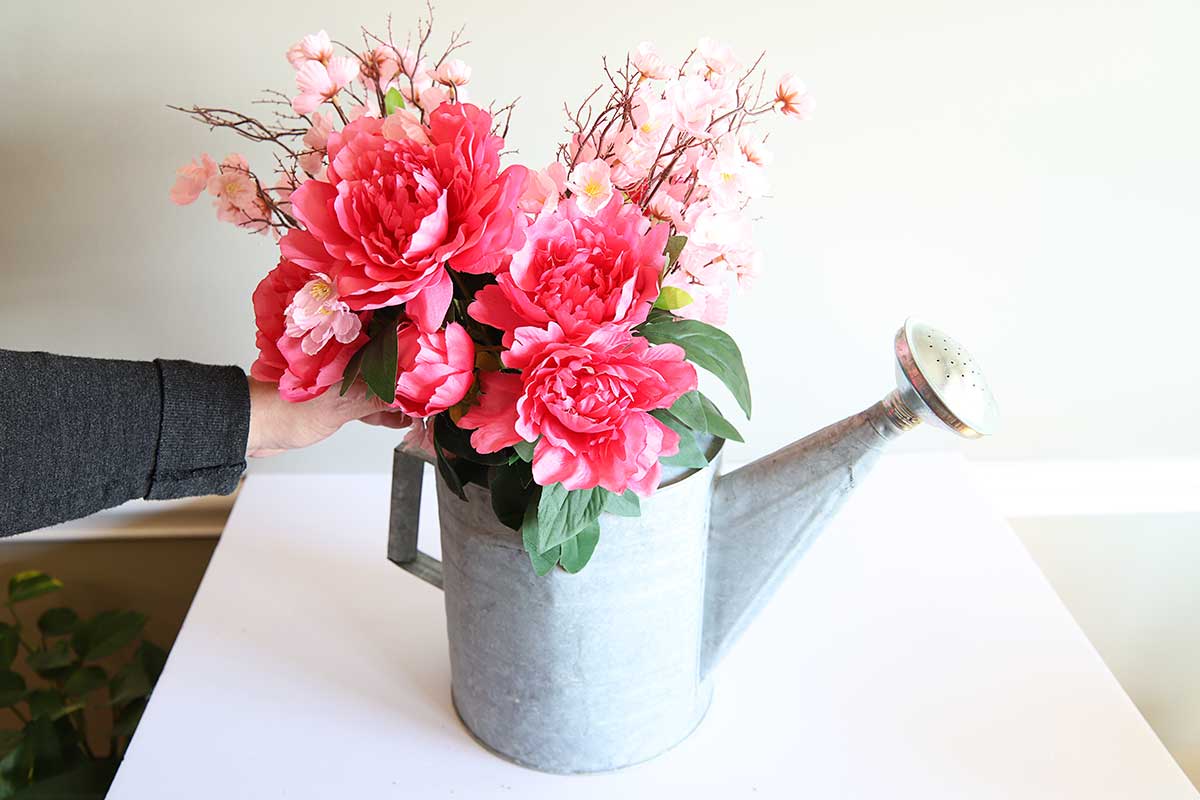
(397, 212)
(282, 358)
(586, 403)
(316, 314)
(647, 61)
(792, 98)
(314, 47)
(319, 83)
(191, 180)
(434, 370)
(578, 271)
(543, 189)
(494, 416)
(592, 184)
(403, 124)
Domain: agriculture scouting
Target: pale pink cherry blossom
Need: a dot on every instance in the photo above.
(319, 83)
(381, 65)
(693, 101)
(634, 159)
(792, 98)
(754, 147)
(403, 124)
(410, 64)
(710, 303)
(233, 188)
(651, 118)
(649, 63)
(729, 176)
(313, 161)
(543, 188)
(453, 72)
(316, 315)
(717, 56)
(665, 207)
(191, 180)
(591, 182)
(314, 47)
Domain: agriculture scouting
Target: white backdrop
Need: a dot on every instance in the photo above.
(1024, 176)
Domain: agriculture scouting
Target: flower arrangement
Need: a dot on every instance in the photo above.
(540, 326)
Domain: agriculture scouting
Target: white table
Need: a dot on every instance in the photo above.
(908, 656)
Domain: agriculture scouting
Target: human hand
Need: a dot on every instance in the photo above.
(277, 426)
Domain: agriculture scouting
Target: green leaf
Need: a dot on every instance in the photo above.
(85, 780)
(698, 413)
(12, 688)
(45, 703)
(446, 470)
(392, 101)
(28, 585)
(689, 455)
(130, 683)
(85, 680)
(379, 354)
(353, 368)
(9, 739)
(675, 246)
(512, 490)
(525, 449)
(106, 633)
(52, 657)
(48, 752)
(10, 639)
(671, 298)
(153, 659)
(127, 721)
(624, 505)
(562, 513)
(577, 551)
(458, 441)
(58, 621)
(542, 562)
(709, 348)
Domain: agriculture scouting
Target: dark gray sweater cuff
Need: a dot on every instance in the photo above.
(205, 423)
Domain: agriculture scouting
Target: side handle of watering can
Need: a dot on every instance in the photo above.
(408, 468)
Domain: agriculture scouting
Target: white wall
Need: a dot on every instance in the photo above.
(1023, 175)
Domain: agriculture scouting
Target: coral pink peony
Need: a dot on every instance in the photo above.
(191, 180)
(397, 212)
(579, 272)
(434, 370)
(494, 416)
(282, 358)
(792, 98)
(585, 403)
(592, 185)
(318, 82)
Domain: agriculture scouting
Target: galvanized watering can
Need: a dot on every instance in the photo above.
(612, 666)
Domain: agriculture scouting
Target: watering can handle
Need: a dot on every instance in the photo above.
(407, 472)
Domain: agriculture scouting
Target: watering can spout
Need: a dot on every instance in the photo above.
(766, 514)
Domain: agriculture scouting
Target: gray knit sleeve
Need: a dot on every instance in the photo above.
(80, 434)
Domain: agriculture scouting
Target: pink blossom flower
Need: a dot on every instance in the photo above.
(453, 72)
(191, 180)
(403, 124)
(717, 56)
(380, 66)
(434, 370)
(314, 47)
(710, 303)
(316, 314)
(493, 418)
(592, 185)
(312, 161)
(666, 208)
(424, 92)
(318, 82)
(651, 118)
(729, 176)
(754, 147)
(543, 189)
(792, 98)
(397, 212)
(648, 62)
(694, 101)
(281, 358)
(236, 193)
(586, 402)
(579, 272)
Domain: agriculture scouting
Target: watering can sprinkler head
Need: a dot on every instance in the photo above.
(939, 382)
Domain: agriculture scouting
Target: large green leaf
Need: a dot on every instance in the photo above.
(675, 245)
(447, 471)
(698, 413)
(624, 505)
(707, 347)
(353, 368)
(542, 562)
(525, 449)
(129, 717)
(671, 298)
(512, 490)
(55, 655)
(45, 703)
(106, 633)
(153, 659)
(57, 621)
(12, 688)
(577, 551)
(689, 455)
(562, 513)
(10, 640)
(28, 585)
(85, 780)
(85, 680)
(130, 683)
(392, 101)
(378, 363)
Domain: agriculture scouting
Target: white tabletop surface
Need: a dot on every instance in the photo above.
(916, 652)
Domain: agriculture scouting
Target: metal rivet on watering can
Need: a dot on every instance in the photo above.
(601, 670)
